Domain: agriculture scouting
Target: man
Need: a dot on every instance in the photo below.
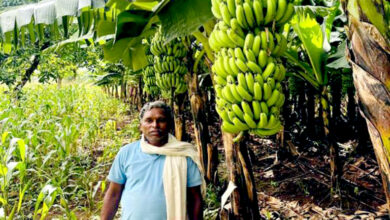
(157, 177)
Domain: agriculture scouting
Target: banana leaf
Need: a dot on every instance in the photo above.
(312, 37)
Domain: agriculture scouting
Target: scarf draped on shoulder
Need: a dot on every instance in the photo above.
(175, 173)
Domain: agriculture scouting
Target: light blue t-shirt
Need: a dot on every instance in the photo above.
(143, 196)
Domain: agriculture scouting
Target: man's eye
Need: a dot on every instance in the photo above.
(148, 120)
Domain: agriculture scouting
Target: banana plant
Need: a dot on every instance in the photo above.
(315, 44)
(369, 41)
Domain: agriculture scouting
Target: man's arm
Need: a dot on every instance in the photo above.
(194, 203)
(111, 201)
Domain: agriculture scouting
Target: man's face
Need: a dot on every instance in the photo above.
(155, 126)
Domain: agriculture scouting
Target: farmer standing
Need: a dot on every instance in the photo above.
(156, 177)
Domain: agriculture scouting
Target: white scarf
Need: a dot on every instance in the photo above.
(175, 173)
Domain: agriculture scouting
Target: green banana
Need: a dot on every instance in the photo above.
(223, 114)
(238, 112)
(258, 9)
(263, 58)
(256, 45)
(242, 81)
(227, 94)
(233, 66)
(249, 41)
(268, 70)
(280, 101)
(273, 98)
(271, 82)
(241, 17)
(274, 110)
(236, 27)
(236, 95)
(225, 13)
(257, 91)
(241, 65)
(254, 67)
(287, 15)
(272, 122)
(282, 6)
(240, 125)
(226, 66)
(266, 132)
(224, 38)
(249, 15)
(267, 91)
(218, 90)
(239, 54)
(230, 128)
(256, 109)
(250, 56)
(264, 107)
(247, 108)
(271, 11)
(219, 80)
(230, 79)
(243, 93)
(250, 82)
(235, 38)
(263, 120)
(249, 121)
(271, 40)
(231, 7)
(264, 40)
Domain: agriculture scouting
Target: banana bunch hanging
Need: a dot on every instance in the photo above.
(148, 76)
(247, 69)
(168, 64)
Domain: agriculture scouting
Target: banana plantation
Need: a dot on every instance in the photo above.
(286, 101)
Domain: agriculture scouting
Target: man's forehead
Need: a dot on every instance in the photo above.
(155, 112)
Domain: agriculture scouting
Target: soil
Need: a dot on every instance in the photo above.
(293, 181)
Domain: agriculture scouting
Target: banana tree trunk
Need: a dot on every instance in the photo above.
(116, 91)
(177, 105)
(336, 101)
(140, 88)
(244, 197)
(310, 108)
(370, 61)
(208, 154)
(59, 83)
(333, 147)
(233, 173)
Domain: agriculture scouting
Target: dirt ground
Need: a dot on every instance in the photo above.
(297, 185)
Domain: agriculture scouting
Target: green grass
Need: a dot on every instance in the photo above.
(56, 148)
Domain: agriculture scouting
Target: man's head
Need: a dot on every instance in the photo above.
(156, 120)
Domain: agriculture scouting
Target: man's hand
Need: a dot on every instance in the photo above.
(111, 201)
(194, 203)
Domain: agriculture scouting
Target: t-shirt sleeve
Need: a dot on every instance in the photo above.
(117, 173)
(193, 174)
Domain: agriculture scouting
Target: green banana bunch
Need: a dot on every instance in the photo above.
(148, 76)
(247, 70)
(250, 14)
(168, 64)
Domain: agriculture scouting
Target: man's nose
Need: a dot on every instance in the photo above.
(155, 124)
